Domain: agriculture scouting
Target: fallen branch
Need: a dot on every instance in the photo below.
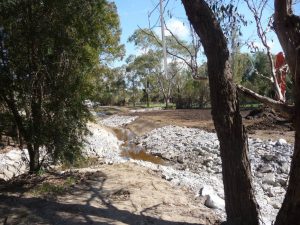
(284, 109)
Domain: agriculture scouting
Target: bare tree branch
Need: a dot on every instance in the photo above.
(176, 39)
(263, 76)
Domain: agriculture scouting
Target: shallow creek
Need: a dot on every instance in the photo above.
(133, 151)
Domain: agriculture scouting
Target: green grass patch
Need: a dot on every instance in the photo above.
(250, 106)
(81, 162)
(49, 189)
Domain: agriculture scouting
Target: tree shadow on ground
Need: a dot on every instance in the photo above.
(87, 203)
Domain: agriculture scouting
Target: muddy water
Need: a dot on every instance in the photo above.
(132, 150)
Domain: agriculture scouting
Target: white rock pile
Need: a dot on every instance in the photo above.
(146, 109)
(117, 121)
(102, 143)
(195, 155)
(13, 163)
(16, 162)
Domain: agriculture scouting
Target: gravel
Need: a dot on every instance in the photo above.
(196, 163)
(117, 121)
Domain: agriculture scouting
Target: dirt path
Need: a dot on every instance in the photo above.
(116, 194)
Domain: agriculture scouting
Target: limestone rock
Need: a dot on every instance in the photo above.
(269, 179)
(281, 142)
(215, 202)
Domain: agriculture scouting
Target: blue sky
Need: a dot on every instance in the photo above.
(134, 14)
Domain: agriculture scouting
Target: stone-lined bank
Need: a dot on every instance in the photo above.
(195, 154)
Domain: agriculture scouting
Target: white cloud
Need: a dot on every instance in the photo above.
(177, 27)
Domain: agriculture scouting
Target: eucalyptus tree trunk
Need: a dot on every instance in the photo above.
(147, 93)
(33, 152)
(241, 207)
(287, 29)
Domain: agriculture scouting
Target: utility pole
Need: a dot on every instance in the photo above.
(163, 38)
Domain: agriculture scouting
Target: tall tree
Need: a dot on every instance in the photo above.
(133, 79)
(146, 42)
(109, 85)
(241, 207)
(49, 49)
(147, 66)
(287, 29)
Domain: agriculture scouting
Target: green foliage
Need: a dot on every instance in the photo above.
(110, 87)
(228, 15)
(145, 39)
(50, 51)
(147, 68)
(240, 66)
(253, 79)
(192, 93)
(289, 89)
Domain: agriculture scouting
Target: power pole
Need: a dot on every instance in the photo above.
(163, 38)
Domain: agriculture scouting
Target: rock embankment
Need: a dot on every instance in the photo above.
(103, 144)
(15, 161)
(100, 143)
(195, 155)
(193, 161)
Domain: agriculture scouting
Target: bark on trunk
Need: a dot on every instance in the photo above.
(147, 93)
(241, 207)
(167, 103)
(33, 152)
(17, 117)
(287, 28)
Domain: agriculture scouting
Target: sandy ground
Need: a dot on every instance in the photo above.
(109, 194)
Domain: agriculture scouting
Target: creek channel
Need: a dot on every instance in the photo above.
(131, 150)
